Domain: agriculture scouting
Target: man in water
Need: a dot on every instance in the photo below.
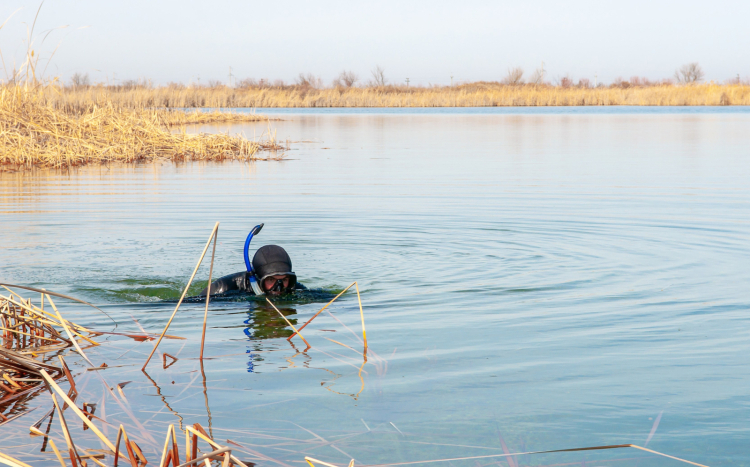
(272, 268)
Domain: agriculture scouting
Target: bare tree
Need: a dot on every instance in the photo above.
(247, 83)
(537, 77)
(80, 80)
(620, 83)
(689, 73)
(309, 81)
(346, 79)
(378, 76)
(515, 76)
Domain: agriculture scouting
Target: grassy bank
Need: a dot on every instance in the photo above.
(468, 95)
(37, 132)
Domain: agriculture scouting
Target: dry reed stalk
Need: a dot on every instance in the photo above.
(7, 460)
(122, 435)
(339, 343)
(288, 322)
(362, 316)
(57, 452)
(481, 94)
(76, 410)
(198, 431)
(208, 456)
(321, 310)
(208, 295)
(184, 292)
(310, 461)
(67, 331)
(35, 133)
(66, 433)
(30, 333)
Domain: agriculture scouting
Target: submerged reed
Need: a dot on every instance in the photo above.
(34, 132)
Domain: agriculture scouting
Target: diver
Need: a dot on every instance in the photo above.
(270, 273)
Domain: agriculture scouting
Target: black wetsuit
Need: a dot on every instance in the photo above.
(236, 283)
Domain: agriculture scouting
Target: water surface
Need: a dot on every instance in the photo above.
(530, 279)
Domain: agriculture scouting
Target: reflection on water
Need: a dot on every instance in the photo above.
(530, 280)
(264, 322)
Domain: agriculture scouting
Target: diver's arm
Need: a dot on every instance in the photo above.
(233, 282)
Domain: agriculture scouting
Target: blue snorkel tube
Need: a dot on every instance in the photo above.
(253, 281)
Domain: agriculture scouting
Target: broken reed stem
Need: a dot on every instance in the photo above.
(6, 459)
(288, 322)
(184, 292)
(47, 292)
(310, 461)
(339, 343)
(208, 294)
(362, 315)
(67, 331)
(213, 444)
(76, 410)
(57, 453)
(66, 433)
(321, 310)
(207, 456)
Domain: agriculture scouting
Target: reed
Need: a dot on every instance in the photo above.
(29, 334)
(36, 132)
(184, 292)
(480, 94)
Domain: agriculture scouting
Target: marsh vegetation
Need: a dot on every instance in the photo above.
(36, 130)
(686, 88)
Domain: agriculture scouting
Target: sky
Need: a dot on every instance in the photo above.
(426, 41)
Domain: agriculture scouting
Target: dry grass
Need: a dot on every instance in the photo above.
(31, 337)
(34, 131)
(469, 95)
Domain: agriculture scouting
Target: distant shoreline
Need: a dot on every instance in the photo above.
(467, 95)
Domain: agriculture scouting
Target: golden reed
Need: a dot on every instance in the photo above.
(35, 132)
(468, 95)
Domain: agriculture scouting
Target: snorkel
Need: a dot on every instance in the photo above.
(253, 281)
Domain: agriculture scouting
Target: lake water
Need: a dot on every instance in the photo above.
(530, 279)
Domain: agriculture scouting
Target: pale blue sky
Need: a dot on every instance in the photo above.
(427, 41)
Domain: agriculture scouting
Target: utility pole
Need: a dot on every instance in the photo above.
(407, 82)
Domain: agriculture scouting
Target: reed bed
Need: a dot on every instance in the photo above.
(468, 95)
(35, 132)
(31, 337)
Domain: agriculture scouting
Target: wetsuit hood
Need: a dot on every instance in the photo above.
(271, 260)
